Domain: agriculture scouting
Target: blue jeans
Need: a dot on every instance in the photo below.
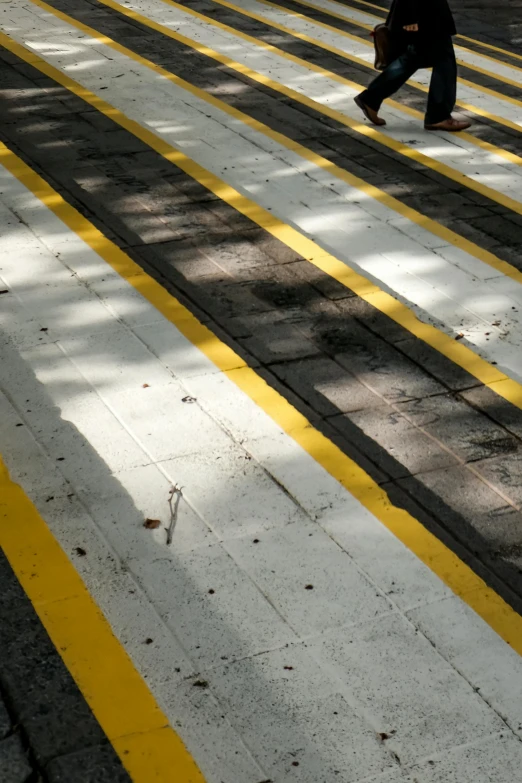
(443, 85)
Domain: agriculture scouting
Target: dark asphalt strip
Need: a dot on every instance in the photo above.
(61, 738)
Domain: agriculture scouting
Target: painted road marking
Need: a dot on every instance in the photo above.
(403, 265)
(260, 625)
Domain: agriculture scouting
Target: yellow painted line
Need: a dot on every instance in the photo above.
(491, 47)
(369, 190)
(28, 540)
(456, 351)
(363, 2)
(356, 126)
(140, 733)
(347, 56)
(491, 59)
(378, 19)
(462, 37)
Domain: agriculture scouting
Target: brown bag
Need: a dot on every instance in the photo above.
(382, 42)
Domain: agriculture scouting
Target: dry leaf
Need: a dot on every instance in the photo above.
(145, 386)
(152, 524)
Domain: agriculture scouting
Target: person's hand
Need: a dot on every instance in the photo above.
(411, 28)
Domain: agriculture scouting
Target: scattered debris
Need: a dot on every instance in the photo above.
(211, 591)
(383, 736)
(309, 587)
(146, 386)
(80, 551)
(495, 323)
(288, 668)
(44, 329)
(4, 291)
(200, 684)
(460, 336)
(149, 640)
(256, 540)
(188, 399)
(152, 524)
(173, 505)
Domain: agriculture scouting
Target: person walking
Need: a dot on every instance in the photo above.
(420, 33)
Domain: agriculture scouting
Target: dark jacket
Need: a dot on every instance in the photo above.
(434, 18)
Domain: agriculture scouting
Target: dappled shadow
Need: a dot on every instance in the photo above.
(331, 354)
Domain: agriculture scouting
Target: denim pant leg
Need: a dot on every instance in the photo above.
(391, 79)
(443, 85)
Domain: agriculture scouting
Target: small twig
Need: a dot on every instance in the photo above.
(173, 505)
